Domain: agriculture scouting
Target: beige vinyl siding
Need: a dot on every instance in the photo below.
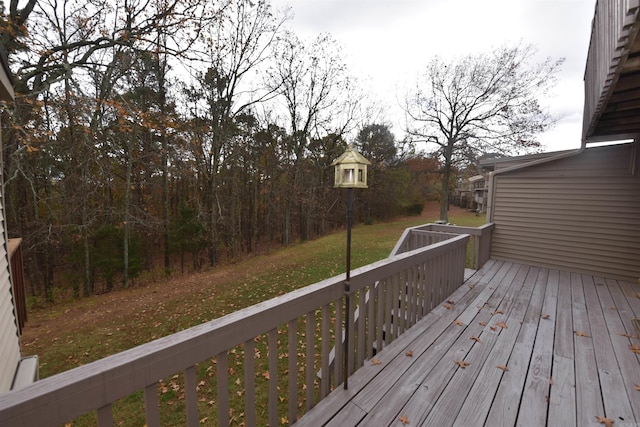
(580, 213)
(9, 340)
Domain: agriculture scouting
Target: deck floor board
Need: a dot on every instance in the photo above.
(515, 316)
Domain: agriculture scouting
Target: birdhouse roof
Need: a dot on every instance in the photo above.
(351, 156)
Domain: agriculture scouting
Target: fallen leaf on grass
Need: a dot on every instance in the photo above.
(503, 367)
(608, 422)
(475, 338)
(462, 363)
(502, 325)
(404, 420)
(581, 334)
(457, 322)
(266, 374)
(376, 361)
(409, 353)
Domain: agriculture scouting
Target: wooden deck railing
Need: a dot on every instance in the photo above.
(299, 329)
(478, 251)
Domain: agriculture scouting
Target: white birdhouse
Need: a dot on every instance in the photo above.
(351, 169)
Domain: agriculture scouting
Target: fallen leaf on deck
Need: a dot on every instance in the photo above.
(475, 338)
(624, 334)
(457, 322)
(493, 328)
(376, 361)
(497, 312)
(635, 348)
(483, 323)
(462, 363)
(608, 422)
(581, 334)
(470, 286)
(637, 387)
(551, 380)
(447, 306)
(404, 420)
(502, 325)
(450, 302)
(544, 316)
(504, 368)
(409, 353)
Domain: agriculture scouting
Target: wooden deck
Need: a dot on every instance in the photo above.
(538, 346)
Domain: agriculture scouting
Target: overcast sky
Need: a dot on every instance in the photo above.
(388, 42)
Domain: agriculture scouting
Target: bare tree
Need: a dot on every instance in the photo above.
(480, 103)
(236, 49)
(313, 83)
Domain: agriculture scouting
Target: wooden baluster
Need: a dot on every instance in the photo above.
(292, 349)
(273, 377)
(402, 285)
(380, 314)
(105, 416)
(191, 396)
(249, 383)
(362, 321)
(371, 324)
(309, 353)
(325, 381)
(388, 313)
(222, 376)
(339, 345)
(151, 405)
(395, 301)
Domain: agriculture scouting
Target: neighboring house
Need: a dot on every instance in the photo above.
(14, 370)
(479, 192)
(472, 194)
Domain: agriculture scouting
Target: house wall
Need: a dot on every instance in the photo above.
(9, 335)
(579, 213)
(9, 340)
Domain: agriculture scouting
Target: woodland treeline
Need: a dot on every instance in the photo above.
(169, 136)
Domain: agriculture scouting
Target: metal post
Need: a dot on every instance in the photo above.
(347, 285)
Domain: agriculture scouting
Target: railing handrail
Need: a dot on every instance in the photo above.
(480, 242)
(65, 396)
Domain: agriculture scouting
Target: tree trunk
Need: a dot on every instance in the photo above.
(127, 207)
(446, 179)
